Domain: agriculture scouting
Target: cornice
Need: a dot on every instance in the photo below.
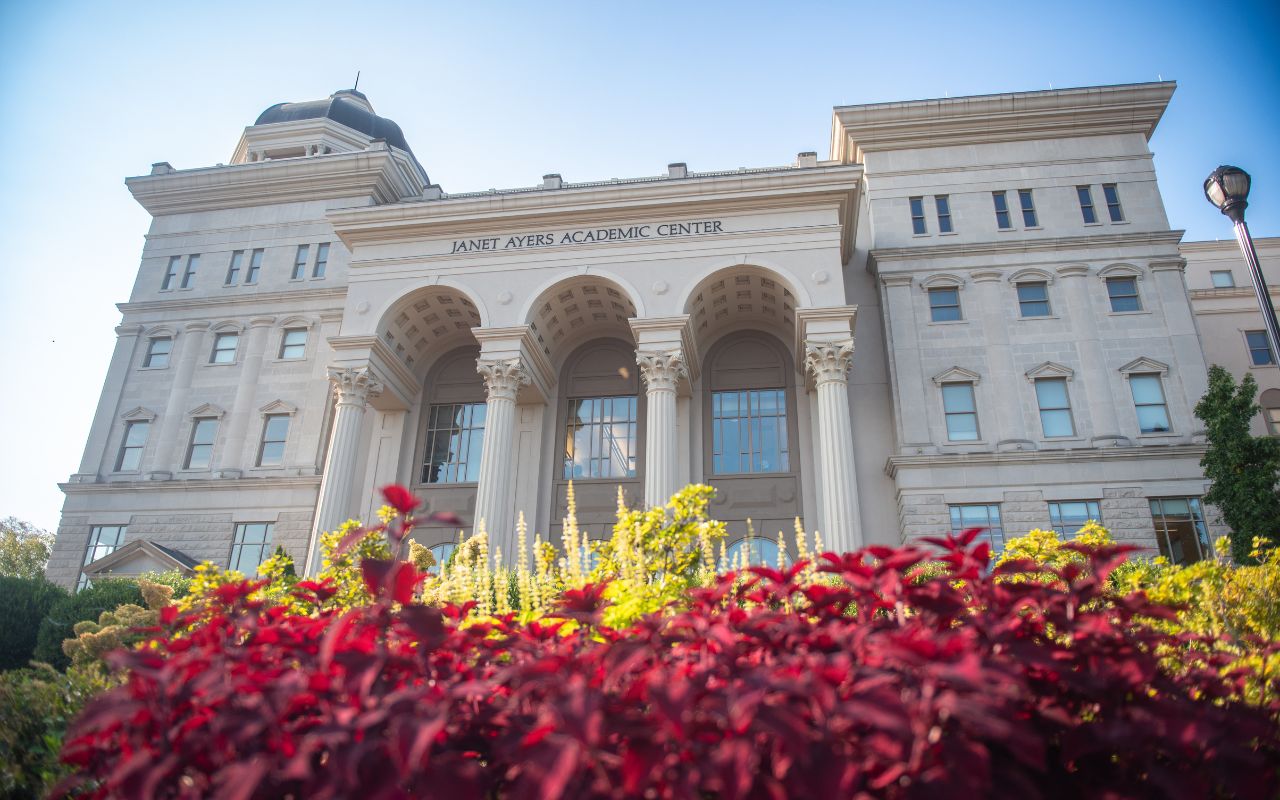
(1016, 246)
(368, 173)
(1229, 245)
(997, 118)
(948, 460)
(203, 484)
(270, 298)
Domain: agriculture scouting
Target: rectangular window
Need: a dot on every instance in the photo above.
(1113, 202)
(1002, 210)
(200, 450)
(158, 350)
(135, 438)
(170, 273)
(1222, 279)
(189, 274)
(293, 344)
(1123, 293)
(917, 215)
(300, 263)
(1086, 204)
(322, 260)
(255, 266)
(986, 517)
(1273, 420)
(103, 541)
(1055, 407)
(1148, 399)
(600, 438)
(224, 348)
(944, 304)
(960, 412)
(1068, 516)
(251, 547)
(1028, 208)
(749, 432)
(1260, 354)
(233, 271)
(275, 430)
(943, 204)
(455, 436)
(1033, 299)
(1180, 529)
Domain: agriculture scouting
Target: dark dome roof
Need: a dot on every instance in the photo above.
(340, 108)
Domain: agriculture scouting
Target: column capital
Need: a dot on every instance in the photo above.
(354, 385)
(502, 377)
(828, 361)
(662, 370)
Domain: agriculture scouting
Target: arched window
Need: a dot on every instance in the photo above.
(454, 421)
(758, 552)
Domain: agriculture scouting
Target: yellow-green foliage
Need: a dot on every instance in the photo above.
(1044, 547)
(116, 628)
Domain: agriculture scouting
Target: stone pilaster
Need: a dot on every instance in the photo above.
(1098, 395)
(231, 459)
(828, 363)
(662, 372)
(494, 500)
(168, 454)
(352, 389)
(1011, 423)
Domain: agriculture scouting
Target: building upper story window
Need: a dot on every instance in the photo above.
(1001, 201)
(1055, 407)
(1033, 299)
(1180, 529)
(917, 216)
(455, 437)
(1028, 208)
(1085, 194)
(1113, 202)
(103, 541)
(322, 260)
(1068, 516)
(170, 273)
(135, 439)
(1260, 354)
(1148, 400)
(942, 203)
(1272, 416)
(749, 432)
(189, 274)
(158, 350)
(224, 348)
(600, 438)
(293, 345)
(1123, 293)
(275, 432)
(983, 515)
(1222, 279)
(251, 546)
(960, 412)
(200, 449)
(233, 269)
(300, 262)
(255, 266)
(944, 303)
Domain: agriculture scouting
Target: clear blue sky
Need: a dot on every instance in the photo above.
(497, 94)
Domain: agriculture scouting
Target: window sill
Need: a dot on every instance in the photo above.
(153, 369)
(1042, 316)
(1120, 222)
(1093, 224)
(195, 471)
(948, 322)
(1006, 230)
(1167, 435)
(949, 233)
(1127, 313)
(458, 485)
(1033, 227)
(921, 235)
(1262, 366)
(262, 468)
(1063, 439)
(278, 360)
(221, 363)
(316, 278)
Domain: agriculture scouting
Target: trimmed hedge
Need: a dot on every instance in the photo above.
(87, 604)
(25, 603)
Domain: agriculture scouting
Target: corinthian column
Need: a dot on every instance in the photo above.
(352, 388)
(494, 501)
(828, 362)
(661, 371)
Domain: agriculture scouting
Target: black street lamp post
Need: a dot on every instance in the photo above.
(1228, 189)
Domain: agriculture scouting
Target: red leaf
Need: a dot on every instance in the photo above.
(400, 498)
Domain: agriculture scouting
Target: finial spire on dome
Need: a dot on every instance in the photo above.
(356, 88)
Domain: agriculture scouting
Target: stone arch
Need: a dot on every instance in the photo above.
(743, 296)
(428, 322)
(580, 308)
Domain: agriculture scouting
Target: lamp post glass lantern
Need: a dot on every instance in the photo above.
(1228, 189)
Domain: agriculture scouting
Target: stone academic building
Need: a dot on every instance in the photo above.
(316, 319)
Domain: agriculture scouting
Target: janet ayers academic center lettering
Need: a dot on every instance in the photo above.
(972, 312)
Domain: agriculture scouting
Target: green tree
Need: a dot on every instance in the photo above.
(1243, 468)
(24, 549)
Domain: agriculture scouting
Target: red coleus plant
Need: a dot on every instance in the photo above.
(877, 685)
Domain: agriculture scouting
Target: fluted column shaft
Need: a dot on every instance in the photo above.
(828, 363)
(662, 372)
(168, 452)
(352, 390)
(242, 409)
(494, 500)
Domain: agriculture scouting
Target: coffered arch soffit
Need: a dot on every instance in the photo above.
(574, 309)
(741, 297)
(428, 322)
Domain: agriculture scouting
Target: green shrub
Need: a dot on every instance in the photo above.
(25, 603)
(35, 707)
(87, 604)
